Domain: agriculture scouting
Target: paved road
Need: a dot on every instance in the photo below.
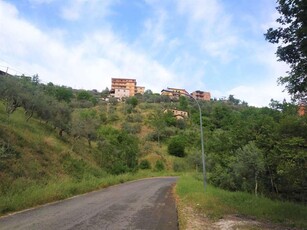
(143, 204)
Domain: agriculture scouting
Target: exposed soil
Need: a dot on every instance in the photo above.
(197, 221)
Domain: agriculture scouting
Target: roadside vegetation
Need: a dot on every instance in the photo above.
(56, 142)
(217, 203)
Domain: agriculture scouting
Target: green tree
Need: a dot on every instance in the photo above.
(84, 95)
(63, 93)
(249, 164)
(183, 103)
(10, 92)
(119, 150)
(176, 147)
(158, 123)
(84, 124)
(292, 37)
(105, 93)
(132, 101)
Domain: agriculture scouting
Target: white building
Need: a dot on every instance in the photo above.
(121, 93)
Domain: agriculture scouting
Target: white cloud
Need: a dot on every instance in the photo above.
(200, 10)
(211, 27)
(89, 64)
(74, 10)
(259, 95)
(40, 1)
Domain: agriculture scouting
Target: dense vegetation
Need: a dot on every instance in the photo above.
(219, 204)
(54, 133)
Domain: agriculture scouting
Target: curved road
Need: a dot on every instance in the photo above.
(143, 204)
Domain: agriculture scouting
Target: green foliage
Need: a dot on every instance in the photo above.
(292, 39)
(179, 165)
(84, 95)
(183, 103)
(84, 124)
(119, 151)
(132, 101)
(159, 166)
(144, 164)
(249, 164)
(176, 146)
(217, 203)
(131, 128)
(63, 93)
(105, 93)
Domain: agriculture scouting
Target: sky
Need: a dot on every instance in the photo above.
(209, 45)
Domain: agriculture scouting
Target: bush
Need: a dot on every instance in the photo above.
(159, 166)
(131, 128)
(145, 164)
(176, 147)
(179, 166)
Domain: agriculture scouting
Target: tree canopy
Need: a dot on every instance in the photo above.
(291, 36)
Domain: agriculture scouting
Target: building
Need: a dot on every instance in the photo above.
(121, 93)
(177, 113)
(174, 92)
(140, 89)
(302, 109)
(201, 95)
(122, 83)
(121, 87)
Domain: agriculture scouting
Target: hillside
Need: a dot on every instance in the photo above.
(56, 142)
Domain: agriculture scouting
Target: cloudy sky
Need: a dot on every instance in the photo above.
(209, 45)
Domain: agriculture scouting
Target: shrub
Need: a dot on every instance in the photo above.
(145, 164)
(176, 147)
(159, 166)
(131, 128)
(179, 166)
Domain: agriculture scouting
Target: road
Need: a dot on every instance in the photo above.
(143, 204)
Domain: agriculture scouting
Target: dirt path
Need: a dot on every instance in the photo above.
(196, 221)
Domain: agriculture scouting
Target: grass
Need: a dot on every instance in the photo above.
(216, 203)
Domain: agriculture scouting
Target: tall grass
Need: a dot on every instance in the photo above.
(216, 203)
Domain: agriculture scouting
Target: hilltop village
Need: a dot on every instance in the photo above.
(122, 88)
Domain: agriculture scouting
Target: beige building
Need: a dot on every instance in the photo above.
(123, 85)
(201, 95)
(178, 113)
(140, 89)
(174, 92)
(121, 93)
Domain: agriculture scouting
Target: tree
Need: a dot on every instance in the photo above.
(10, 93)
(176, 146)
(292, 37)
(183, 103)
(119, 150)
(249, 164)
(233, 100)
(105, 93)
(132, 101)
(84, 124)
(84, 95)
(63, 94)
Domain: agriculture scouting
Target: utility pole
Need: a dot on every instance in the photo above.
(201, 135)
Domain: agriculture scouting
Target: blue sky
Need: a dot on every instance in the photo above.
(209, 45)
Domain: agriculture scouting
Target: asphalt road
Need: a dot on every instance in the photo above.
(144, 204)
